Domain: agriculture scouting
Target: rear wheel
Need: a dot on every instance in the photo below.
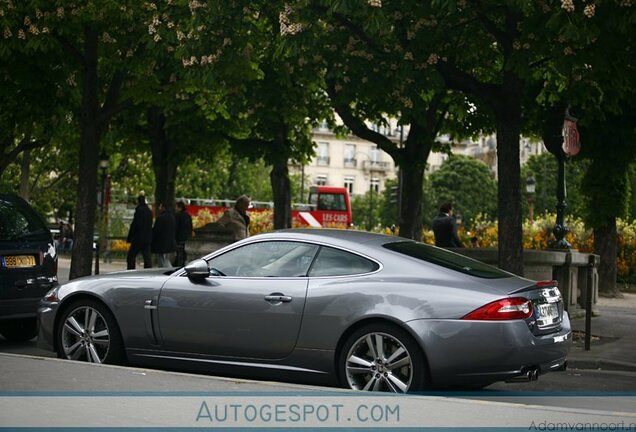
(87, 331)
(19, 330)
(382, 357)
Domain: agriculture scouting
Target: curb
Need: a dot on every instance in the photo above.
(602, 364)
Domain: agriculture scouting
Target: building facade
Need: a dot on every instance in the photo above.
(360, 166)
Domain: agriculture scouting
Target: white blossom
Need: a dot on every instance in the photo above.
(567, 5)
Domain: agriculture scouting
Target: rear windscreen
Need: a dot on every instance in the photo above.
(19, 221)
(444, 258)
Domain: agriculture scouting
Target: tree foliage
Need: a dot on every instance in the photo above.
(465, 182)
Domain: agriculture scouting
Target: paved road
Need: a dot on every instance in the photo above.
(103, 395)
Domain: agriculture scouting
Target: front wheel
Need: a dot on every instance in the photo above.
(87, 331)
(382, 357)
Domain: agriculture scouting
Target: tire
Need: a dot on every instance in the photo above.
(87, 331)
(382, 357)
(19, 330)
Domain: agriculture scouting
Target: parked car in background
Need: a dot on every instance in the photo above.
(342, 307)
(28, 266)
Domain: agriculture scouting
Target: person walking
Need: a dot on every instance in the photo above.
(163, 236)
(445, 227)
(183, 232)
(140, 235)
(236, 219)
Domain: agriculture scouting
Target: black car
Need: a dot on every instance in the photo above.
(28, 267)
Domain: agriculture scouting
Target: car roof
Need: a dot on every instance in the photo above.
(342, 237)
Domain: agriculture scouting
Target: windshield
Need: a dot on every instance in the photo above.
(444, 258)
(19, 221)
(329, 201)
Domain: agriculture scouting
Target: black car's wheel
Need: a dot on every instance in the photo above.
(19, 330)
(87, 331)
(382, 357)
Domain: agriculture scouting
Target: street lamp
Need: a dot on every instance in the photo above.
(531, 185)
(103, 167)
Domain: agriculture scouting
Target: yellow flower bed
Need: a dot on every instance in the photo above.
(119, 246)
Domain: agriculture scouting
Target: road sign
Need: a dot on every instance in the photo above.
(571, 139)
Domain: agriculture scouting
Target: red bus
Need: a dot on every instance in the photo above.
(328, 207)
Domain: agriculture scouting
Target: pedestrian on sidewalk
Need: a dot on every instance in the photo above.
(163, 236)
(445, 227)
(140, 234)
(236, 219)
(183, 232)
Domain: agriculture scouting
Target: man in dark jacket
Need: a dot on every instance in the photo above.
(140, 235)
(183, 233)
(163, 237)
(445, 228)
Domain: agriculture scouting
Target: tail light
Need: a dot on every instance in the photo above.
(500, 310)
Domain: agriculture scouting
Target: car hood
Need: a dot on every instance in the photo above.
(123, 275)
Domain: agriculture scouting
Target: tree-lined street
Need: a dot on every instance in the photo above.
(166, 85)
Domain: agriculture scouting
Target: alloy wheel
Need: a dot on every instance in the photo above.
(379, 362)
(85, 335)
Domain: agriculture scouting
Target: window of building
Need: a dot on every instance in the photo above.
(375, 184)
(350, 155)
(323, 154)
(321, 180)
(375, 155)
(348, 183)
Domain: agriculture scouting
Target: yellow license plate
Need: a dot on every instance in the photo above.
(19, 261)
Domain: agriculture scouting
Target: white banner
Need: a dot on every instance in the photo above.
(303, 410)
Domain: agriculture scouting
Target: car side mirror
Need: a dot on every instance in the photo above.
(197, 269)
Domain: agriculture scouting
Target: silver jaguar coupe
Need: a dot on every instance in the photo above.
(333, 307)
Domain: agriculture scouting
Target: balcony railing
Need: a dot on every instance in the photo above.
(322, 160)
(372, 165)
(350, 162)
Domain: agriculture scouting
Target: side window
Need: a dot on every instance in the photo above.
(266, 259)
(334, 262)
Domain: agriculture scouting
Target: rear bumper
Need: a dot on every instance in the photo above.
(482, 352)
(19, 308)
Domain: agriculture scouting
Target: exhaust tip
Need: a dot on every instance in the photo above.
(534, 375)
(526, 376)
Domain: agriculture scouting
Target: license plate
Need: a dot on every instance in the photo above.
(548, 313)
(17, 261)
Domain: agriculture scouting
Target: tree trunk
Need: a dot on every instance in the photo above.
(416, 150)
(281, 190)
(82, 255)
(24, 174)
(164, 161)
(508, 123)
(606, 245)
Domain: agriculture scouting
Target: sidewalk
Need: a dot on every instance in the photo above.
(613, 345)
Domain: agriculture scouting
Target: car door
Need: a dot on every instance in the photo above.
(251, 305)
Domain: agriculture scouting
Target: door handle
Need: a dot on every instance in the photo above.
(148, 305)
(278, 298)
